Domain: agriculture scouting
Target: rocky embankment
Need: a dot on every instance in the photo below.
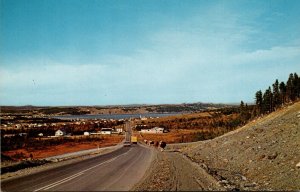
(263, 155)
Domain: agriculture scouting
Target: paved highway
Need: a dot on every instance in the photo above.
(116, 171)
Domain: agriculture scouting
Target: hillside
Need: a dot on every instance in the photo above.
(264, 152)
(263, 155)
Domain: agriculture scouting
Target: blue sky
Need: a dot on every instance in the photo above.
(99, 52)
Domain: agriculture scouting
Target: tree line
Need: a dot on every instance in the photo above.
(277, 95)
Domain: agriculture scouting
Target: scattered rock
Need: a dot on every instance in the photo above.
(224, 182)
(273, 156)
(233, 189)
(298, 165)
(54, 160)
(250, 185)
(244, 178)
(261, 157)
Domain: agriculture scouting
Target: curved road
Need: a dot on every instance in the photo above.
(115, 171)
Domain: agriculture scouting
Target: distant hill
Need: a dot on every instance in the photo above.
(120, 109)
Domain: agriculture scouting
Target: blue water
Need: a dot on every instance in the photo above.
(115, 116)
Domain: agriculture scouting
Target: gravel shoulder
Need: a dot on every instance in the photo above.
(171, 171)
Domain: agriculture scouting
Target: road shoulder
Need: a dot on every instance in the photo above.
(171, 171)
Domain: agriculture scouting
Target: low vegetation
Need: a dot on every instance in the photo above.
(194, 127)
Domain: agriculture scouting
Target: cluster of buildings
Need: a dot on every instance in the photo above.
(104, 131)
(11, 123)
(153, 130)
(60, 127)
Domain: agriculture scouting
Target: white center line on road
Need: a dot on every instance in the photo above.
(60, 182)
(77, 174)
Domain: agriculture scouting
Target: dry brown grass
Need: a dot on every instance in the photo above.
(190, 127)
(174, 136)
(65, 148)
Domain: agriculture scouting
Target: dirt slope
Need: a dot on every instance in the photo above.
(259, 156)
(263, 155)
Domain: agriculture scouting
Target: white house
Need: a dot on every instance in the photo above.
(106, 131)
(86, 133)
(60, 133)
(153, 130)
(95, 133)
(9, 135)
(143, 118)
(119, 130)
(22, 134)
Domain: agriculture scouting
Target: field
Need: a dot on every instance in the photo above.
(174, 136)
(191, 127)
(48, 151)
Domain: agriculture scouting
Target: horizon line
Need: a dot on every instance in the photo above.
(128, 105)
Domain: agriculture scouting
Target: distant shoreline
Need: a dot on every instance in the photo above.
(116, 116)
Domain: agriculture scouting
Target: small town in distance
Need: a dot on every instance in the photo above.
(22, 128)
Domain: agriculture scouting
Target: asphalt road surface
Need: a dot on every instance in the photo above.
(116, 171)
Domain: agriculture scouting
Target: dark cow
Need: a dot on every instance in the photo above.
(151, 143)
(162, 145)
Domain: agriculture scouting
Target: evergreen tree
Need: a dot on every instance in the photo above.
(282, 89)
(259, 101)
(272, 108)
(276, 94)
(244, 112)
(267, 101)
(290, 88)
(280, 94)
(296, 84)
(242, 105)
